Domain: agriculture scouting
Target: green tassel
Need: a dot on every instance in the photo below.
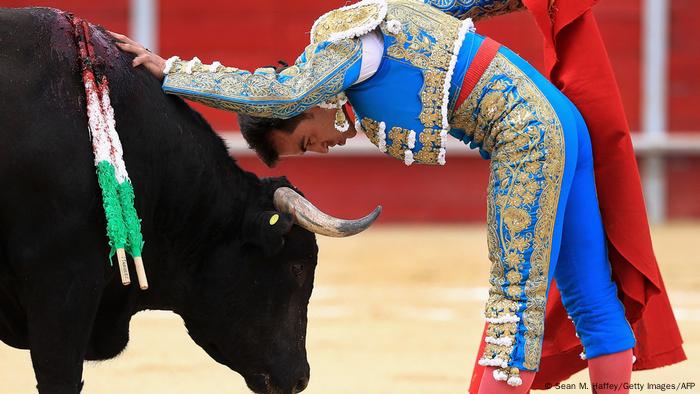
(116, 228)
(131, 219)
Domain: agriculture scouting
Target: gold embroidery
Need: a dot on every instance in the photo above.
(344, 21)
(371, 129)
(430, 149)
(427, 41)
(517, 125)
(431, 97)
(476, 9)
(516, 219)
(264, 93)
(399, 142)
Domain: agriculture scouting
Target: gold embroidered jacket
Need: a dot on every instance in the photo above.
(321, 72)
(422, 45)
(476, 9)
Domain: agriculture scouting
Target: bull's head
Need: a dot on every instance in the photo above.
(250, 312)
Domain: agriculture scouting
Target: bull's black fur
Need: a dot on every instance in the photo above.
(210, 253)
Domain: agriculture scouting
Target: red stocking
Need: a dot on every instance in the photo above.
(610, 371)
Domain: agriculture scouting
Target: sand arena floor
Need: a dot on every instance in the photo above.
(394, 310)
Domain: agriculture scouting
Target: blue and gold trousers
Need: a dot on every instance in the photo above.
(543, 217)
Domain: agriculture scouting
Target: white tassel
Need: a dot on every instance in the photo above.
(515, 381)
(381, 135)
(334, 102)
(505, 341)
(117, 152)
(411, 141)
(191, 64)
(467, 26)
(326, 105)
(394, 26)
(472, 28)
(408, 157)
(493, 362)
(358, 125)
(582, 355)
(463, 30)
(441, 157)
(342, 99)
(443, 151)
(507, 318)
(343, 128)
(500, 375)
(169, 64)
(97, 126)
(214, 67)
(634, 359)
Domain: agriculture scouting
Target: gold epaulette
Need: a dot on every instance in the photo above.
(349, 21)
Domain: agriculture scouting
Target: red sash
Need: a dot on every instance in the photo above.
(482, 59)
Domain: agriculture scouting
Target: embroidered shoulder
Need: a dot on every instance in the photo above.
(349, 21)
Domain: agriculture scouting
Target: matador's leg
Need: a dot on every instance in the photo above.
(533, 147)
(583, 276)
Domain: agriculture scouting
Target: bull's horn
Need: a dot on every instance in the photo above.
(313, 219)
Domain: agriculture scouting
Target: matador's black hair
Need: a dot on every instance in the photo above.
(257, 131)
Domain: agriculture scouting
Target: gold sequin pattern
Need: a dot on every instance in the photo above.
(399, 142)
(371, 130)
(512, 119)
(430, 149)
(476, 9)
(343, 20)
(264, 93)
(426, 41)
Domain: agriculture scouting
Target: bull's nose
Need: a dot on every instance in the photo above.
(301, 384)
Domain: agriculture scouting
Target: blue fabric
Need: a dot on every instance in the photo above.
(583, 272)
(405, 82)
(319, 74)
(578, 255)
(474, 8)
(402, 108)
(462, 8)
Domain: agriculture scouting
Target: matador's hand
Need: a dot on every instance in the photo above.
(143, 57)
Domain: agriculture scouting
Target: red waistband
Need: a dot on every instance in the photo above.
(482, 59)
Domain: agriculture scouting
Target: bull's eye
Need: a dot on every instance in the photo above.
(298, 272)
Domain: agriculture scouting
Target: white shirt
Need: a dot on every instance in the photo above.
(372, 51)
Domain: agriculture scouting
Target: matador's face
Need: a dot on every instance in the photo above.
(316, 133)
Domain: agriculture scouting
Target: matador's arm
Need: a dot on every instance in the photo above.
(320, 73)
(476, 9)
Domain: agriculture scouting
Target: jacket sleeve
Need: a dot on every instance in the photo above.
(476, 9)
(321, 72)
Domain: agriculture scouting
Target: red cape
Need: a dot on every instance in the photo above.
(577, 63)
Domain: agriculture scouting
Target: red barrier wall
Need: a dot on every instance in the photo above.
(113, 14)
(253, 34)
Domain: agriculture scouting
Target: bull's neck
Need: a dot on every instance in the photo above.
(195, 200)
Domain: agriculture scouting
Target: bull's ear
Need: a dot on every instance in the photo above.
(267, 229)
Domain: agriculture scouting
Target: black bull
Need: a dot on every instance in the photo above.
(241, 285)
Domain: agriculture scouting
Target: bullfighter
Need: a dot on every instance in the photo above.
(411, 73)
